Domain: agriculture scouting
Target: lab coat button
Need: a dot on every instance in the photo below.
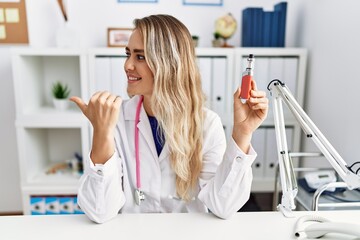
(238, 158)
(100, 172)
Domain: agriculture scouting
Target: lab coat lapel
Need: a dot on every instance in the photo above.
(144, 127)
(164, 153)
(145, 131)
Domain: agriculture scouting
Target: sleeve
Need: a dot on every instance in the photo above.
(226, 177)
(99, 193)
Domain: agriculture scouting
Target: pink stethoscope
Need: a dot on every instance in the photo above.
(139, 195)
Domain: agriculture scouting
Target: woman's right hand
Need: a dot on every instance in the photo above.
(102, 109)
(103, 113)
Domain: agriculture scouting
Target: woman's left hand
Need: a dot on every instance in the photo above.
(248, 116)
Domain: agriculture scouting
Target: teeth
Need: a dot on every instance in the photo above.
(134, 78)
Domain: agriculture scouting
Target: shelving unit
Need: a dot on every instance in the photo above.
(47, 136)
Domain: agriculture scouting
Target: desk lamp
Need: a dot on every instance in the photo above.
(280, 92)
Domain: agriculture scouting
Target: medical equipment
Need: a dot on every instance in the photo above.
(279, 91)
(321, 226)
(247, 79)
(320, 178)
(139, 195)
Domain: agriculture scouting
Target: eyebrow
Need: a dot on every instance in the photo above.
(135, 50)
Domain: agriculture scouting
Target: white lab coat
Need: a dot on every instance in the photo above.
(224, 183)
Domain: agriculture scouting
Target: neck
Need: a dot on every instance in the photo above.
(147, 105)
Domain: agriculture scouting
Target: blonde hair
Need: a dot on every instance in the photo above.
(177, 99)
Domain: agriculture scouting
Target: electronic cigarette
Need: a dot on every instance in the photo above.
(247, 77)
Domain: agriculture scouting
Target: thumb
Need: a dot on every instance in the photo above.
(79, 102)
(237, 93)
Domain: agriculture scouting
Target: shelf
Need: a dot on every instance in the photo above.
(34, 76)
(50, 117)
(64, 179)
(43, 147)
(33, 51)
(38, 190)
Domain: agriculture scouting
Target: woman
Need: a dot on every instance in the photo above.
(185, 164)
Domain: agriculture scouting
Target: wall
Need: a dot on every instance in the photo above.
(312, 24)
(330, 31)
(91, 18)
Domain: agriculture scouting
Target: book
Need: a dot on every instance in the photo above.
(274, 41)
(257, 29)
(281, 8)
(267, 22)
(247, 26)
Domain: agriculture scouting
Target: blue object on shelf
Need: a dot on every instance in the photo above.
(247, 26)
(264, 28)
(281, 8)
(77, 209)
(52, 205)
(267, 20)
(37, 205)
(66, 205)
(258, 27)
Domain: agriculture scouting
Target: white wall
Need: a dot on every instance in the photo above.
(330, 30)
(91, 18)
(318, 25)
(9, 170)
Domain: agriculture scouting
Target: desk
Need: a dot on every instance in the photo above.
(243, 225)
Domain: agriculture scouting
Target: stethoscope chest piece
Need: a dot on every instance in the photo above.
(139, 196)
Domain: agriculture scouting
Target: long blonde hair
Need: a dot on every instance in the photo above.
(177, 99)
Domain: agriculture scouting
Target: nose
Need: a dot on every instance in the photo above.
(129, 64)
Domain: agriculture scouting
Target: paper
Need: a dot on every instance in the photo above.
(2, 32)
(2, 18)
(9, 1)
(12, 15)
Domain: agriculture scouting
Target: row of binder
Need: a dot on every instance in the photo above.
(264, 142)
(47, 205)
(264, 28)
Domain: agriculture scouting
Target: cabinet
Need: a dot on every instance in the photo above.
(47, 136)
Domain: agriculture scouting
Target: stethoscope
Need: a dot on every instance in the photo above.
(139, 195)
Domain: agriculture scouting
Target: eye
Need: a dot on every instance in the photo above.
(127, 54)
(140, 57)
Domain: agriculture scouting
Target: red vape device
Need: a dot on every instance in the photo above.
(247, 77)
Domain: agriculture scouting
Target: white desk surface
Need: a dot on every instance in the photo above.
(243, 225)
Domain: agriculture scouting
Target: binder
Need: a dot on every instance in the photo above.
(257, 27)
(219, 86)
(247, 26)
(274, 41)
(258, 143)
(102, 74)
(267, 22)
(281, 8)
(118, 78)
(66, 205)
(52, 205)
(204, 64)
(37, 205)
(77, 209)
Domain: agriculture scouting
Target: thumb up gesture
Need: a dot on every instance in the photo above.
(102, 110)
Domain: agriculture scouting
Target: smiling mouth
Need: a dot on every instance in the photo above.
(134, 78)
